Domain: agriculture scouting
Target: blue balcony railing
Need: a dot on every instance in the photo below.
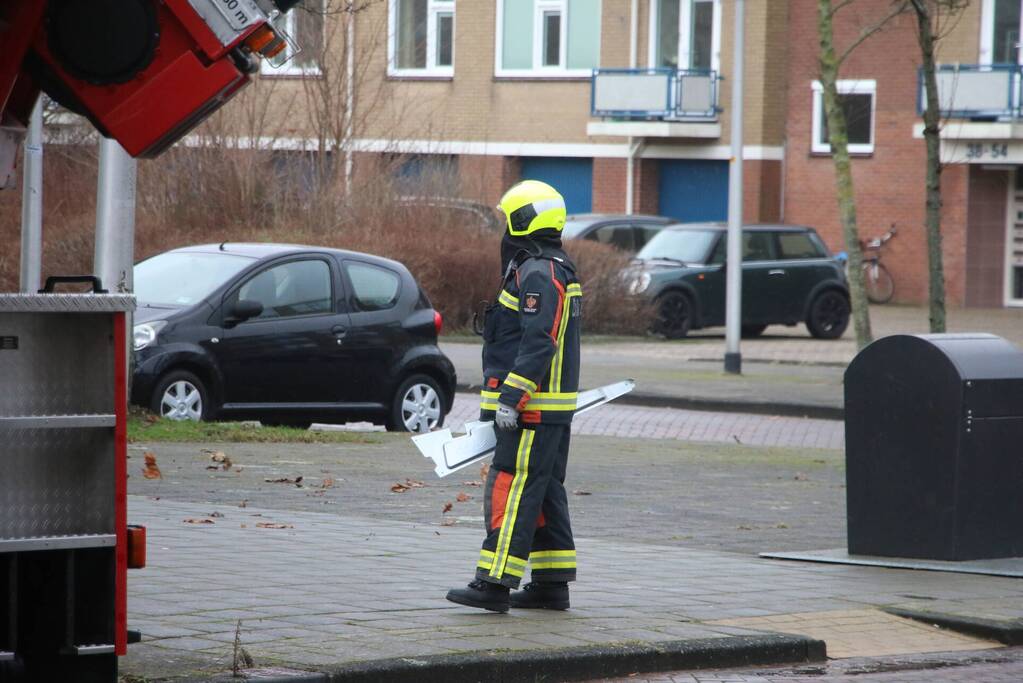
(976, 91)
(654, 94)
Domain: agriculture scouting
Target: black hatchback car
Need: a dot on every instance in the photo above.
(788, 277)
(287, 335)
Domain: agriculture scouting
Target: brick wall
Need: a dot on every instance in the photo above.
(609, 176)
(985, 246)
(889, 184)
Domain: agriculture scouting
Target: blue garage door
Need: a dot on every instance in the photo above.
(573, 178)
(693, 189)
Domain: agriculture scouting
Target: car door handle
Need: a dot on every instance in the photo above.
(777, 271)
(339, 332)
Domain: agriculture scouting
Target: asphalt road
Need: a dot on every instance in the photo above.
(713, 496)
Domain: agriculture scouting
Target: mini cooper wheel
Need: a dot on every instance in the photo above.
(674, 315)
(829, 315)
(418, 406)
(180, 395)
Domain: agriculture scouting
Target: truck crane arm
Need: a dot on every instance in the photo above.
(144, 72)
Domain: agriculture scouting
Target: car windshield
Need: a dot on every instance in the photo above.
(572, 228)
(184, 278)
(688, 246)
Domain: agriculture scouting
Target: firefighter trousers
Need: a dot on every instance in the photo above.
(525, 508)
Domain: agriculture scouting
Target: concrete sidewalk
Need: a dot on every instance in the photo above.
(785, 372)
(332, 594)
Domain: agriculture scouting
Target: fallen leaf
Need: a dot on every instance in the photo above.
(213, 467)
(327, 483)
(152, 419)
(192, 520)
(447, 508)
(244, 503)
(273, 525)
(471, 483)
(298, 479)
(462, 497)
(449, 521)
(801, 477)
(414, 484)
(151, 471)
(484, 471)
(581, 493)
(399, 488)
(781, 525)
(215, 456)
(283, 480)
(245, 526)
(216, 514)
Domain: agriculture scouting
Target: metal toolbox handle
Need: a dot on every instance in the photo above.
(53, 280)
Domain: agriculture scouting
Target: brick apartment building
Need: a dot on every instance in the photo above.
(578, 92)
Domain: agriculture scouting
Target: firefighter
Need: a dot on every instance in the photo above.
(531, 380)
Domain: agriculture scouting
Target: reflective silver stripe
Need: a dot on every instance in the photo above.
(547, 205)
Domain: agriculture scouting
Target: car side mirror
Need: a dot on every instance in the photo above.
(242, 310)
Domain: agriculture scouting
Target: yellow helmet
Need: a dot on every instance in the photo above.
(531, 206)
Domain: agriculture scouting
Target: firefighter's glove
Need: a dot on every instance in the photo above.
(506, 417)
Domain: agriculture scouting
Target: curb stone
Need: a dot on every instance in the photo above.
(564, 664)
(715, 405)
(1007, 632)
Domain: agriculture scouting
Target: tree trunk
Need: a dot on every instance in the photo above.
(839, 139)
(932, 136)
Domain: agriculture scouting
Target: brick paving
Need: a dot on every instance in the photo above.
(629, 421)
(329, 589)
(864, 632)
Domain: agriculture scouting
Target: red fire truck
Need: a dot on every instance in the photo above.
(144, 72)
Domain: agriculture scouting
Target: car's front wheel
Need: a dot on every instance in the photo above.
(674, 315)
(418, 406)
(829, 315)
(180, 395)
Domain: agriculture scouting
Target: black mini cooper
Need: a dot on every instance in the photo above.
(788, 277)
(287, 335)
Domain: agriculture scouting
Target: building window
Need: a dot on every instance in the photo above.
(1000, 32)
(304, 26)
(421, 38)
(686, 34)
(547, 38)
(857, 100)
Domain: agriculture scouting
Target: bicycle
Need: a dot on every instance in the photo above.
(876, 279)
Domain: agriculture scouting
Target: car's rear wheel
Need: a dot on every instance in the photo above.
(180, 395)
(750, 331)
(418, 406)
(674, 315)
(829, 315)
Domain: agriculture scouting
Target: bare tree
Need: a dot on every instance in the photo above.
(830, 63)
(931, 16)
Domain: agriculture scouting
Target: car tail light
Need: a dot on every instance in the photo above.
(438, 322)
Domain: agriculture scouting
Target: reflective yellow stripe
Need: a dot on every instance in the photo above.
(511, 508)
(508, 301)
(520, 382)
(514, 572)
(516, 562)
(554, 565)
(488, 554)
(542, 554)
(557, 366)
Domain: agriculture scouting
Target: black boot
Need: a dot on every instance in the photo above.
(482, 594)
(541, 595)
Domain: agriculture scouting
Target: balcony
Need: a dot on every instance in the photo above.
(976, 92)
(654, 103)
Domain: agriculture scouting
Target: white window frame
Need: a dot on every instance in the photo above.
(844, 87)
(432, 69)
(685, 37)
(541, 8)
(987, 31)
(538, 69)
(286, 23)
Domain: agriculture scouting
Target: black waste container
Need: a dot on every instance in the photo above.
(934, 447)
